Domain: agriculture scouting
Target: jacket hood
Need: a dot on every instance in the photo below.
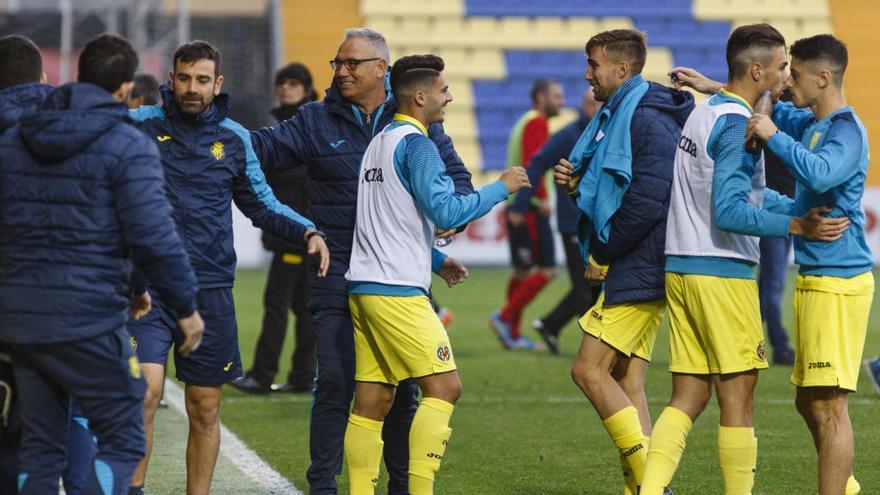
(19, 100)
(678, 104)
(69, 119)
(219, 107)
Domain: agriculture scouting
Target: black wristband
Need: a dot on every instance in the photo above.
(314, 233)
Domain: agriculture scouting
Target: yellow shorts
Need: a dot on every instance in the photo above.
(630, 327)
(714, 325)
(830, 324)
(396, 338)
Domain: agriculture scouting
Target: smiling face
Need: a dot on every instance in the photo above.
(195, 85)
(366, 77)
(435, 100)
(604, 74)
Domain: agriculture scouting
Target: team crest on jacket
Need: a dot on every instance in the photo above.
(443, 353)
(217, 150)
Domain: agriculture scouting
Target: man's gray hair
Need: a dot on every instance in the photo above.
(374, 37)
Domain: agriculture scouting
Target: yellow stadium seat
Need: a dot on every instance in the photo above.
(581, 29)
(384, 24)
(609, 23)
(812, 27)
(412, 8)
(460, 119)
(478, 31)
(551, 32)
(514, 32)
(657, 64)
(774, 10)
(448, 28)
(376, 7)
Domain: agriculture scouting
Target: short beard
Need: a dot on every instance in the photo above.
(188, 111)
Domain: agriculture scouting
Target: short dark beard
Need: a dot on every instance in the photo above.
(201, 110)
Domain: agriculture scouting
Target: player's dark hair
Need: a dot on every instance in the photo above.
(20, 61)
(196, 50)
(147, 87)
(741, 43)
(541, 87)
(108, 61)
(826, 50)
(622, 44)
(415, 72)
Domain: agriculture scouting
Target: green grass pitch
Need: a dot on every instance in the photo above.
(522, 427)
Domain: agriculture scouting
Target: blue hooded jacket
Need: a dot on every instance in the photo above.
(209, 162)
(330, 138)
(636, 242)
(81, 191)
(17, 100)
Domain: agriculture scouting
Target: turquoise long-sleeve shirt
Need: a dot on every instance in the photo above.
(829, 159)
(423, 173)
(731, 187)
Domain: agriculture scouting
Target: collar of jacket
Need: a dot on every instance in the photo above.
(219, 108)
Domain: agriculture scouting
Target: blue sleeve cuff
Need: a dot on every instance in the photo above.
(776, 225)
(437, 259)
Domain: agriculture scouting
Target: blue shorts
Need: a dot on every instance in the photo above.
(215, 362)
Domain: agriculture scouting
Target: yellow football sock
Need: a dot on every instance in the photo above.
(363, 453)
(738, 457)
(629, 482)
(427, 443)
(667, 444)
(626, 431)
(852, 486)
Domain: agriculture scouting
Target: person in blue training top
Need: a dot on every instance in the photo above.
(719, 208)
(404, 196)
(329, 138)
(824, 144)
(208, 162)
(581, 296)
(76, 209)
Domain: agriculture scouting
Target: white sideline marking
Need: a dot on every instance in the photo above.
(550, 399)
(237, 452)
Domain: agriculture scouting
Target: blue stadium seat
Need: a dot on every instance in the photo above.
(669, 24)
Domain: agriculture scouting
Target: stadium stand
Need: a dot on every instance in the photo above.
(495, 49)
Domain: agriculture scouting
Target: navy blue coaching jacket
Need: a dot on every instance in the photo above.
(209, 162)
(636, 244)
(81, 190)
(330, 138)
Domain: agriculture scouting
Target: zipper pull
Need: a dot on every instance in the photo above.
(368, 118)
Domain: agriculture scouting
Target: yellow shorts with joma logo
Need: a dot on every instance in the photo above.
(714, 325)
(830, 324)
(630, 328)
(397, 337)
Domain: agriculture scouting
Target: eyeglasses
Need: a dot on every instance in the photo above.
(350, 64)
